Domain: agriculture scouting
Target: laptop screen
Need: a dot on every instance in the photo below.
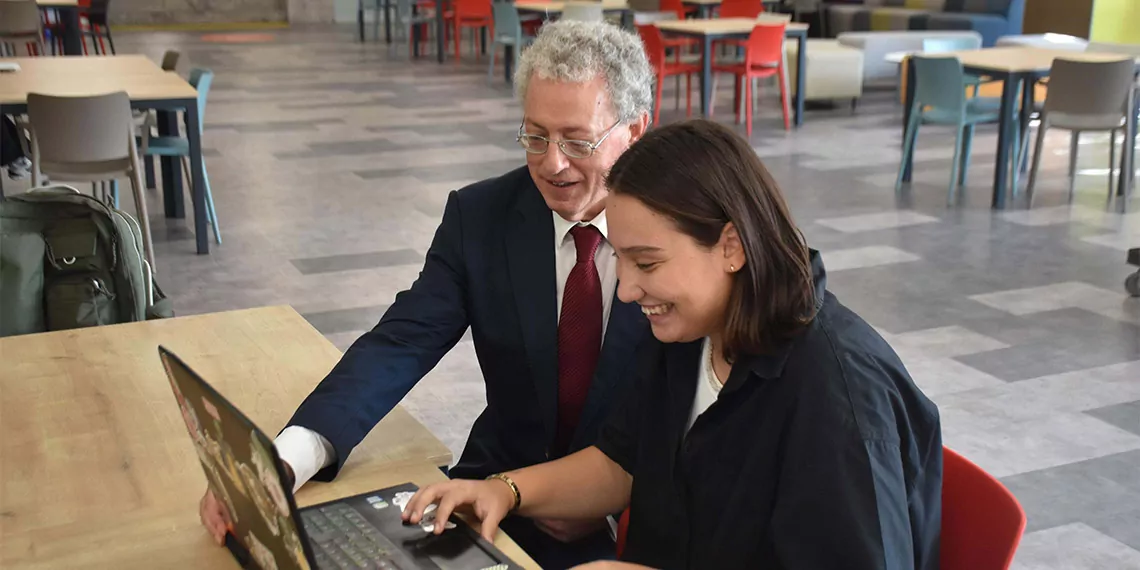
(242, 469)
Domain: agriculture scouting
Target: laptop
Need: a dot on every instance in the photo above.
(269, 531)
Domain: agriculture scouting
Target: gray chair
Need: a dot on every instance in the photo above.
(583, 11)
(20, 25)
(508, 32)
(1085, 96)
(88, 139)
(405, 18)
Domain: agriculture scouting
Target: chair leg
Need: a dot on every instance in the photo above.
(657, 101)
(958, 140)
(211, 212)
(1037, 147)
(908, 142)
(783, 78)
(115, 194)
(140, 207)
(1111, 160)
(1074, 146)
(110, 40)
(689, 95)
(491, 63)
(747, 105)
(967, 146)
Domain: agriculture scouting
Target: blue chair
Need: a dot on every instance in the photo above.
(200, 79)
(940, 98)
(508, 32)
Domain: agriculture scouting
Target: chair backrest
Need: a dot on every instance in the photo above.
(943, 45)
(201, 79)
(472, 8)
(170, 60)
(982, 522)
(654, 45)
(1090, 88)
(741, 8)
(583, 11)
(765, 44)
(506, 18)
(938, 82)
(81, 129)
(19, 17)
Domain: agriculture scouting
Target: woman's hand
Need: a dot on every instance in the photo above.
(490, 501)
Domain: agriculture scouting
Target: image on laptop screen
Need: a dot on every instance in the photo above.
(244, 476)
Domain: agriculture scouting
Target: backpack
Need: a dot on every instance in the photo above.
(68, 261)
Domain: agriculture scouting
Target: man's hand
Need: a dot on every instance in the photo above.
(215, 517)
(570, 530)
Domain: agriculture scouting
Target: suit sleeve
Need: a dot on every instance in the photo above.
(379, 369)
(842, 501)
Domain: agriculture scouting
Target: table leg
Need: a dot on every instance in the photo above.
(1028, 103)
(1005, 137)
(171, 168)
(508, 61)
(1128, 153)
(197, 181)
(908, 105)
(360, 20)
(415, 36)
(387, 21)
(439, 31)
(72, 34)
(706, 74)
(148, 167)
(801, 73)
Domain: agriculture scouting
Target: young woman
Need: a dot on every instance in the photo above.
(770, 427)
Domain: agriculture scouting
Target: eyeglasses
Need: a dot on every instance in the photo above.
(537, 144)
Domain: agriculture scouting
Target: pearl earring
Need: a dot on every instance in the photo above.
(732, 269)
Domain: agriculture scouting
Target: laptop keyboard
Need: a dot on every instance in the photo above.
(343, 539)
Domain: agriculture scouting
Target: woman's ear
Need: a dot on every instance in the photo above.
(730, 244)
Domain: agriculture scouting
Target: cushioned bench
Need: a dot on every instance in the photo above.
(990, 18)
(834, 71)
(876, 46)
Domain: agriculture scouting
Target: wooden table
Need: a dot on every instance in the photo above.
(147, 85)
(705, 7)
(68, 14)
(1015, 66)
(97, 468)
(737, 28)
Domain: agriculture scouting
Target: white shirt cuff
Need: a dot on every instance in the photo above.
(305, 450)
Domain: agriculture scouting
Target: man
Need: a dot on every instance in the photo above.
(522, 260)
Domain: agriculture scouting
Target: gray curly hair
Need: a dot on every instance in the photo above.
(575, 51)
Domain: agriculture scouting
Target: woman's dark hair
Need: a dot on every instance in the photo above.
(702, 176)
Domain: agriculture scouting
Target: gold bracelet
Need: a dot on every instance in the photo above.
(514, 489)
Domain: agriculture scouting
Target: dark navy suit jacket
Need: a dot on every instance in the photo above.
(490, 267)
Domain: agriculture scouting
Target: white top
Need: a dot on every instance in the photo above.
(307, 451)
(708, 385)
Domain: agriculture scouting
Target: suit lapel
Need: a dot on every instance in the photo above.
(626, 328)
(530, 261)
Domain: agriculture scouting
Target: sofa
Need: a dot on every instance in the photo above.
(990, 18)
(876, 45)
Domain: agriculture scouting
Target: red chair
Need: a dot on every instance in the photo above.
(473, 14)
(655, 46)
(763, 57)
(982, 522)
(741, 8)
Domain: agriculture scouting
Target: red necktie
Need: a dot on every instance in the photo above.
(579, 334)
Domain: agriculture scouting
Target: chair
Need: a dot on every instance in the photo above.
(20, 23)
(583, 11)
(763, 57)
(982, 522)
(508, 32)
(939, 98)
(170, 60)
(474, 14)
(741, 8)
(200, 79)
(655, 46)
(94, 23)
(1085, 96)
(88, 139)
(407, 17)
(937, 46)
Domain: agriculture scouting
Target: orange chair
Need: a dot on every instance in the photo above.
(473, 14)
(982, 522)
(763, 57)
(655, 46)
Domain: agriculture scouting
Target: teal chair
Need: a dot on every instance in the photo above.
(200, 79)
(508, 32)
(937, 46)
(940, 99)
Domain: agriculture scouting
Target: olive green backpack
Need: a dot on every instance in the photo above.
(68, 260)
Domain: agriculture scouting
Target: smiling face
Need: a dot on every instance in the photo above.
(558, 110)
(683, 287)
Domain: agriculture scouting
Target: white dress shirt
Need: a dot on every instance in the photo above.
(307, 451)
(708, 385)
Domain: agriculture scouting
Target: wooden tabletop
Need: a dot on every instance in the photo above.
(556, 7)
(140, 77)
(718, 2)
(1021, 59)
(58, 3)
(95, 461)
(720, 26)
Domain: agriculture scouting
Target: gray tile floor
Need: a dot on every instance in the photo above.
(331, 161)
